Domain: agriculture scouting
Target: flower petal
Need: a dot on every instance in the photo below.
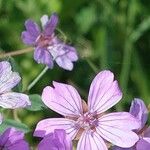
(116, 131)
(43, 56)
(51, 25)
(104, 92)
(120, 148)
(63, 138)
(14, 100)
(12, 139)
(91, 141)
(139, 110)
(122, 120)
(143, 144)
(47, 126)
(63, 54)
(8, 79)
(32, 32)
(63, 99)
(44, 20)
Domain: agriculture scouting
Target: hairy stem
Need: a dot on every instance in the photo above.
(17, 52)
(37, 78)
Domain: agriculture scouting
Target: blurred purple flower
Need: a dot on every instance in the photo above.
(47, 46)
(139, 111)
(8, 80)
(56, 141)
(89, 121)
(12, 139)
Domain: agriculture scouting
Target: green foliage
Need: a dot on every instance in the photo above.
(36, 103)
(108, 34)
(7, 123)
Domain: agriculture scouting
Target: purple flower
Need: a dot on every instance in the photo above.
(8, 80)
(89, 122)
(12, 139)
(139, 110)
(47, 46)
(56, 141)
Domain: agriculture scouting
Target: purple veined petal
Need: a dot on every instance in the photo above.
(31, 34)
(70, 52)
(14, 100)
(63, 54)
(20, 145)
(8, 79)
(47, 142)
(139, 110)
(143, 144)
(43, 56)
(91, 141)
(51, 25)
(122, 120)
(63, 138)
(104, 92)
(56, 140)
(47, 126)
(5, 68)
(116, 134)
(147, 132)
(63, 99)
(12, 139)
(44, 20)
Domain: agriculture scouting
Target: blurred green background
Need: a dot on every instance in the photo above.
(108, 34)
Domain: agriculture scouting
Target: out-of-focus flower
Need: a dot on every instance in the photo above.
(8, 80)
(58, 140)
(12, 139)
(47, 45)
(88, 122)
(139, 110)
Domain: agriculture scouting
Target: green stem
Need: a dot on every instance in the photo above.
(37, 79)
(17, 52)
(94, 68)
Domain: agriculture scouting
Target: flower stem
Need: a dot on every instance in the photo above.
(37, 79)
(17, 52)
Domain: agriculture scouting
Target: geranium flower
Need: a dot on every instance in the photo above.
(139, 110)
(47, 45)
(12, 139)
(89, 122)
(56, 141)
(8, 80)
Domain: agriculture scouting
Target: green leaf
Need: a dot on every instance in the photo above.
(12, 123)
(36, 103)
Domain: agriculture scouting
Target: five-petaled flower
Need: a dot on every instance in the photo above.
(8, 80)
(12, 139)
(56, 140)
(89, 122)
(139, 110)
(48, 47)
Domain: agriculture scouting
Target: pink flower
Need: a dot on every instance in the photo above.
(89, 122)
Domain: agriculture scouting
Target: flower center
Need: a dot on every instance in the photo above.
(43, 41)
(87, 121)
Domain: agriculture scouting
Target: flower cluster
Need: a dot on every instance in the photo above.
(89, 123)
